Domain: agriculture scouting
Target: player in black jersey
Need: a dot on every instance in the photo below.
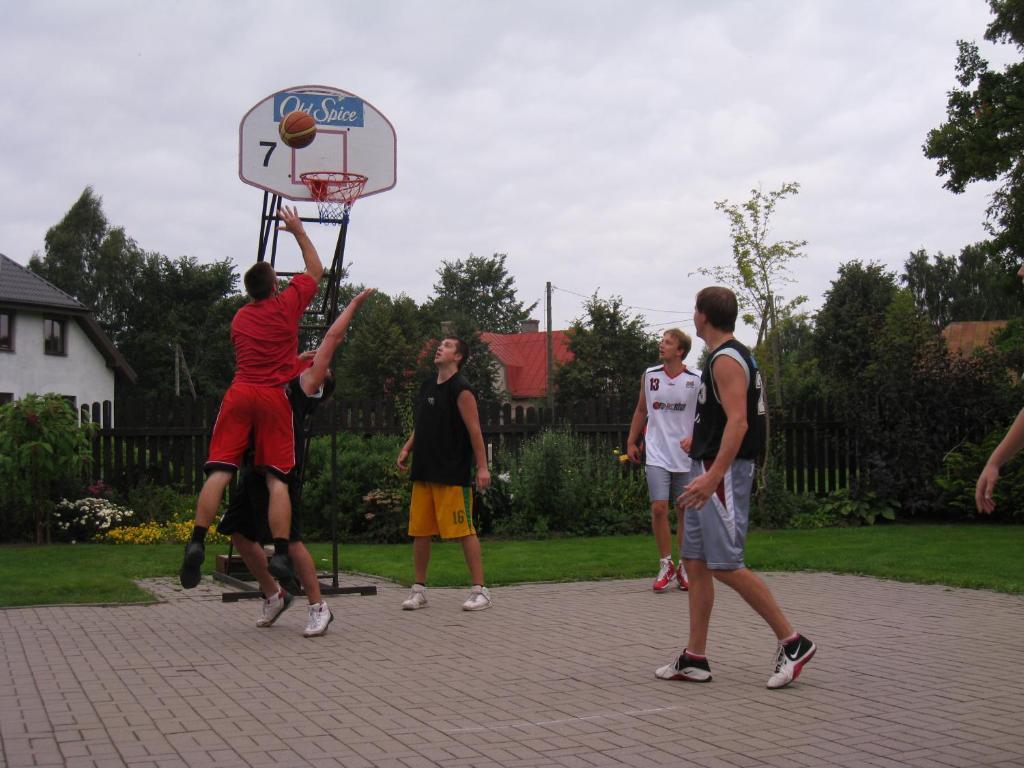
(245, 519)
(728, 437)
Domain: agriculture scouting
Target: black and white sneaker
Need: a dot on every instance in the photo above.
(685, 668)
(189, 575)
(790, 660)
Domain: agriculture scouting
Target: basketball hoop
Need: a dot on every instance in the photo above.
(334, 193)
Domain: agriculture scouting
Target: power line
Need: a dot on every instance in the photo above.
(627, 306)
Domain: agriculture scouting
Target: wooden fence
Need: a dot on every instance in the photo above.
(166, 442)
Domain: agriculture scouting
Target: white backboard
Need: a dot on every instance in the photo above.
(352, 137)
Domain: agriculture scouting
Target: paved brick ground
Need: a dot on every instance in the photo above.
(553, 675)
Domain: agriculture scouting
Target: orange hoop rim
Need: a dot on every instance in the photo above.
(333, 186)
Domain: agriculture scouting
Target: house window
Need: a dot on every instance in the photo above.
(6, 331)
(53, 336)
(6, 397)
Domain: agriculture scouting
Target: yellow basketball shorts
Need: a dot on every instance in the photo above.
(441, 510)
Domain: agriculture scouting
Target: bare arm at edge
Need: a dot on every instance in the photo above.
(1006, 450)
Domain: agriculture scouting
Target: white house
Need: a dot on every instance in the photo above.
(50, 342)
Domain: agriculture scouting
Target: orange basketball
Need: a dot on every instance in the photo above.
(297, 129)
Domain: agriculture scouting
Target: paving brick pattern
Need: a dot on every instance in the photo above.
(552, 675)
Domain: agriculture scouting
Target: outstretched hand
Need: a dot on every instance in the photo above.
(290, 221)
(359, 298)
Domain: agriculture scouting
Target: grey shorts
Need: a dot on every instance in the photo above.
(663, 485)
(717, 532)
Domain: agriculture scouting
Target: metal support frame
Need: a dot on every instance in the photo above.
(328, 312)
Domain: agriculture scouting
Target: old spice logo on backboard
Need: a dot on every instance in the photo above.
(326, 109)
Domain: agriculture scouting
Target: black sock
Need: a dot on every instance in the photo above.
(199, 533)
(281, 546)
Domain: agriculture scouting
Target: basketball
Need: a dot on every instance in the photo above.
(297, 129)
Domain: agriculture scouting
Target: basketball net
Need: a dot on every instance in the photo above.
(334, 193)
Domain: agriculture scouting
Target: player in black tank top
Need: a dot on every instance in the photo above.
(709, 424)
(728, 437)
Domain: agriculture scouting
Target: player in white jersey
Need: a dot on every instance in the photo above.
(667, 402)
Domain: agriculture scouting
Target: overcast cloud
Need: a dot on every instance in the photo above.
(587, 139)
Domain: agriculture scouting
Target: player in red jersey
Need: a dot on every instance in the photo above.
(265, 335)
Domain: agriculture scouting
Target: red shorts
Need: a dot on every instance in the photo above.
(265, 415)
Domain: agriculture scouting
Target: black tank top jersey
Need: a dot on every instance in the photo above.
(709, 423)
(441, 450)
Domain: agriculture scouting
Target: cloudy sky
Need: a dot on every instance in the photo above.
(587, 139)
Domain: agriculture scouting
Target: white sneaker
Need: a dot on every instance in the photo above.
(790, 660)
(479, 599)
(320, 617)
(273, 607)
(417, 598)
(686, 668)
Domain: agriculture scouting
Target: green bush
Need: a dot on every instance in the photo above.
(845, 508)
(959, 477)
(364, 465)
(43, 454)
(561, 484)
(773, 505)
(154, 503)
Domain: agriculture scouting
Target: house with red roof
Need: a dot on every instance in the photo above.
(522, 361)
(963, 338)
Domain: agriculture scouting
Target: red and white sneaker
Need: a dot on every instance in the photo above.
(666, 574)
(684, 585)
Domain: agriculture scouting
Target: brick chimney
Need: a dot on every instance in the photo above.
(529, 326)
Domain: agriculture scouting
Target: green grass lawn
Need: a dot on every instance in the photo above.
(975, 556)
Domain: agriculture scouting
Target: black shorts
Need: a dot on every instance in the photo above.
(247, 511)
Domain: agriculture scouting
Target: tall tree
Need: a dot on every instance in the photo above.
(479, 293)
(760, 268)
(974, 286)
(148, 304)
(982, 138)
(849, 318)
(187, 304)
(610, 349)
(381, 347)
(94, 262)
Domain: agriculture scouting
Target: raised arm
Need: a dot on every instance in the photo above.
(290, 222)
(314, 376)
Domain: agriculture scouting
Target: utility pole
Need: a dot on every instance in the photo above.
(551, 376)
(179, 362)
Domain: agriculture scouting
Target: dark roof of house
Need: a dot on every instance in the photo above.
(962, 338)
(524, 356)
(20, 287)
